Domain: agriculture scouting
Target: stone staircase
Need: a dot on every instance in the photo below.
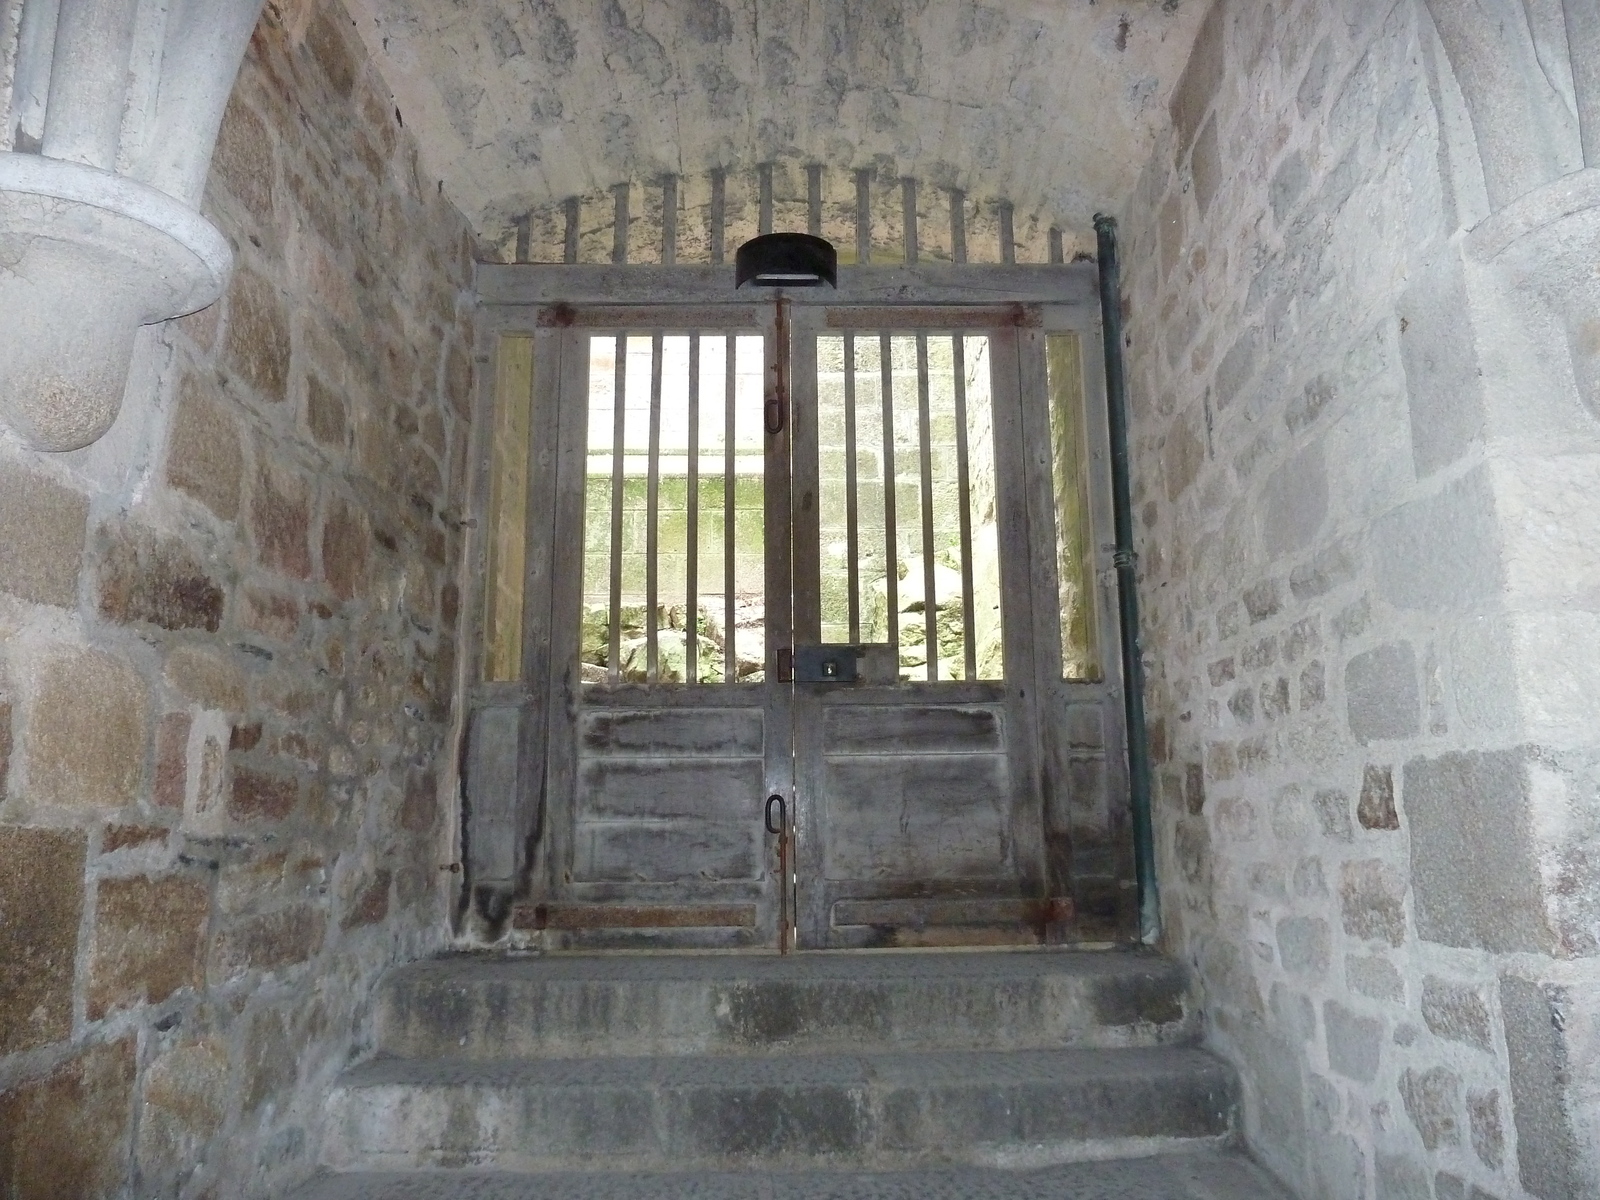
(1031, 1073)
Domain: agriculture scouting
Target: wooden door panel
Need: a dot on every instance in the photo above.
(912, 729)
(917, 818)
(1083, 725)
(1100, 843)
(674, 733)
(682, 851)
(703, 789)
(497, 791)
(670, 795)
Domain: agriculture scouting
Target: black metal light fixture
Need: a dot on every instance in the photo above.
(787, 260)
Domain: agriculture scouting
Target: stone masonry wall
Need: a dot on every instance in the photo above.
(227, 648)
(1375, 822)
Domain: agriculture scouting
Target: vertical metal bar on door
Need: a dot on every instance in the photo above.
(691, 586)
(669, 220)
(891, 548)
(930, 600)
(569, 237)
(964, 500)
(620, 223)
(730, 660)
(864, 216)
(851, 501)
(652, 575)
(618, 479)
(719, 212)
(958, 225)
(908, 218)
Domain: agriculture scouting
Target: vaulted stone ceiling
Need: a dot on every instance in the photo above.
(518, 103)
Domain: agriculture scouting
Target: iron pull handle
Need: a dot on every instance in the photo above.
(774, 415)
(781, 832)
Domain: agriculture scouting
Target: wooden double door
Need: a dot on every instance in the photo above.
(817, 638)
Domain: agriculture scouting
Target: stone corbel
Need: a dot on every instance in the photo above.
(112, 119)
(86, 258)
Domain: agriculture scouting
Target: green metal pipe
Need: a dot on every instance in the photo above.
(1144, 843)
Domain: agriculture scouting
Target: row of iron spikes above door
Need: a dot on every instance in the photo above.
(621, 220)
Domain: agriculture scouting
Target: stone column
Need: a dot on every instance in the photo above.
(1510, 353)
(110, 121)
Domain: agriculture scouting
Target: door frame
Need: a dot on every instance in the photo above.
(556, 305)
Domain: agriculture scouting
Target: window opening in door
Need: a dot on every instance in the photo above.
(1080, 652)
(508, 509)
(674, 564)
(907, 500)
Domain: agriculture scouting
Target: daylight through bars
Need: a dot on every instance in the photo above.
(674, 487)
(906, 474)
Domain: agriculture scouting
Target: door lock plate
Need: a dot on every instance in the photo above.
(825, 664)
(845, 663)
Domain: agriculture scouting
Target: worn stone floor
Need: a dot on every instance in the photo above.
(1201, 1174)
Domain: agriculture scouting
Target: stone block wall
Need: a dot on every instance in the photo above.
(1360, 490)
(227, 662)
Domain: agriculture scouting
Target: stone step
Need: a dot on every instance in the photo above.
(485, 1007)
(709, 1112)
(1194, 1174)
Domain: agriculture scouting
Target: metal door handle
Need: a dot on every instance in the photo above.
(781, 832)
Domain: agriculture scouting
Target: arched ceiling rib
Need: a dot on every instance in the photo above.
(517, 103)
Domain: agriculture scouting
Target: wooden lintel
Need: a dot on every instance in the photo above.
(938, 316)
(923, 283)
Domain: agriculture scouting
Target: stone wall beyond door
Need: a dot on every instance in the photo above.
(1366, 500)
(227, 647)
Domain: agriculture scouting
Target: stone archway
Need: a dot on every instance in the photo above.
(518, 109)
